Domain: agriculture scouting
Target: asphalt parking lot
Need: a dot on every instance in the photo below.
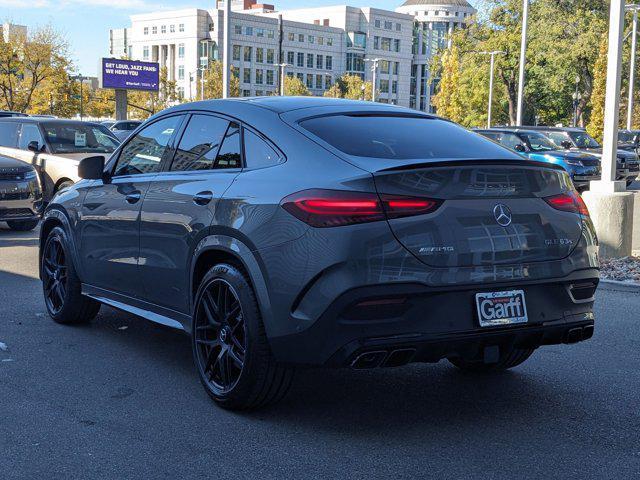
(120, 399)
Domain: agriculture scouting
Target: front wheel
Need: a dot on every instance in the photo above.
(230, 346)
(22, 225)
(509, 358)
(61, 285)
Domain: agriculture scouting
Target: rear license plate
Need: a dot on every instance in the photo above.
(501, 308)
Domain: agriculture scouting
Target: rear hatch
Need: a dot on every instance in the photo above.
(490, 214)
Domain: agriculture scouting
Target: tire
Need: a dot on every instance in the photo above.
(230, 346)
(22, 225)
(61, 285)
(508, 359)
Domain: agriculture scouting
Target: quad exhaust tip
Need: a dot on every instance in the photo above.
(381, 358)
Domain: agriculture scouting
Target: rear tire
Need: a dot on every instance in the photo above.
(230, 346)
(22, 225)
(61, 285)
(508, 359)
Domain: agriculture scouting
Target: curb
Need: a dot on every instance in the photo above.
(618, 286)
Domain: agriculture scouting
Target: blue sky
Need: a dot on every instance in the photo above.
(86, 23)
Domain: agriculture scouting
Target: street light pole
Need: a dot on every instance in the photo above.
(523, 59)
(226, 61)
(281, 67)
(632, 65)
(576, 99)
(374, 70)
(493, 56)
(80, 78)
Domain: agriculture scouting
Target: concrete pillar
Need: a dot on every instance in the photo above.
(121, 104)
(612, 215)
(172, 62)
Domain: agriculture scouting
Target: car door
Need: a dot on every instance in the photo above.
(180, 205)
(110, 215)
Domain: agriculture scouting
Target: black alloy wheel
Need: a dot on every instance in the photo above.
(54, 275)
(220, 336)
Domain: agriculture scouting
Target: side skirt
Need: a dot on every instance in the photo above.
(148, 311)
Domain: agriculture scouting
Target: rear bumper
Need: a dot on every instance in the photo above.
(419, 323)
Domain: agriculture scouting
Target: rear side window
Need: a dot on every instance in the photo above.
(400, 137)
(229, 155)
(258, 153)
(200, 142)
(9, 134)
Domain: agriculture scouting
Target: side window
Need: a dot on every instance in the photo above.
(229, 155)
(9, 134)
(29, 133)
(200, 143)
(143, 153)
(257, 152)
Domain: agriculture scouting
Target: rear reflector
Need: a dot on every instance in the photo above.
(568, 202)
(332, 208)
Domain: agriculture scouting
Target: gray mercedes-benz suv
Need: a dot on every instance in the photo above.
(283, 232)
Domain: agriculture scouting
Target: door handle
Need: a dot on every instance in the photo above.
(203, 198)
(133, 197)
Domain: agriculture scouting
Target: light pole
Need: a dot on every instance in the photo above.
(226, 61)
(80, 78)
(374, 70)
(492, 55)
(281, 67)
(523, 60)
(576, 100)
(632, 65)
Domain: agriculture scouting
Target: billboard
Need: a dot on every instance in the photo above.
(129, 74)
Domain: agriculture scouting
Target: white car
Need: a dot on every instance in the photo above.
(54, 147)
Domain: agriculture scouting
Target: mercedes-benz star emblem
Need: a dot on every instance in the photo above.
(502, 213)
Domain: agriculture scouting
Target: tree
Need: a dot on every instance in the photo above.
(596, 122)
(143, 104)
(28, 63)
(351, 87)
(448, 102)
(294, 87)
(213, 81)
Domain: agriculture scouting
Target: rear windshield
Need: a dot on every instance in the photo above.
(402, 137)
(71, 137)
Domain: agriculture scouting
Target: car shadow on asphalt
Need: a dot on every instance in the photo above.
(10, 238)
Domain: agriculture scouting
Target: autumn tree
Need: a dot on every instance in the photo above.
(294, 87)
(448, 102)
(213, 82)
(352, 87)
(596, 122)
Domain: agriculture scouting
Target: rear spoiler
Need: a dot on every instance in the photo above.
(471, 161)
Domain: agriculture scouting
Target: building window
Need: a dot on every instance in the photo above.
(355, 62)
(309, 60)
(357, 39)
(246, 75)
(300, 77)
(270, 34)
(145, 53)
(211, 27)
(396, 44)
(146, 30)
(163, 29)
(328, 81)
(248, 31)
(385, 44)
(246, 93)
(270, 77)
(311, 39)
(376, 43)
(301, 37)
(319, 62)
(396, 68)
(398, 27)
(300, 59)
(236, 52)
(329, 41)
(377, 23)
(309, 80)
(384, 66)
(181, 92)
(394, 86)
(329, 63)
(172, 28)
(260, 77)
(271, 54)
(260, 55)
(384, 86)
(259, 32)
(181, 72)
(319, 82)
(154, 30)
(320, 40)
(247, 54)
(291, 58)
(237, 29)
(388, 25)
(181, 50)
(181, 27)
(292, 36)
(259, 93)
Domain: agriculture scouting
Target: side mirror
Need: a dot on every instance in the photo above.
(520, 148)
(566, 144)
(33, 146)
(91, 168)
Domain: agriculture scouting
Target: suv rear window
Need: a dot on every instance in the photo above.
(401, 137)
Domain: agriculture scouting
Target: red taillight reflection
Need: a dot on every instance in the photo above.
(568, 202)
(332, 208)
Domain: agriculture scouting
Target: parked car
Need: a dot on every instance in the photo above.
(284, 231)
(122, 129)
(629, 140)
(577, 139)
(54, 147)
(20, 194)
(582, 167)
(6, 113)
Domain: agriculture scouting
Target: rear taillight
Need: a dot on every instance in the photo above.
(568, 202)
(333, 208)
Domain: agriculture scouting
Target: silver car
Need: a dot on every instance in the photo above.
(20, 194)
(54, 147)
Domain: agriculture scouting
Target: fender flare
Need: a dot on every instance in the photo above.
(59, 216)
